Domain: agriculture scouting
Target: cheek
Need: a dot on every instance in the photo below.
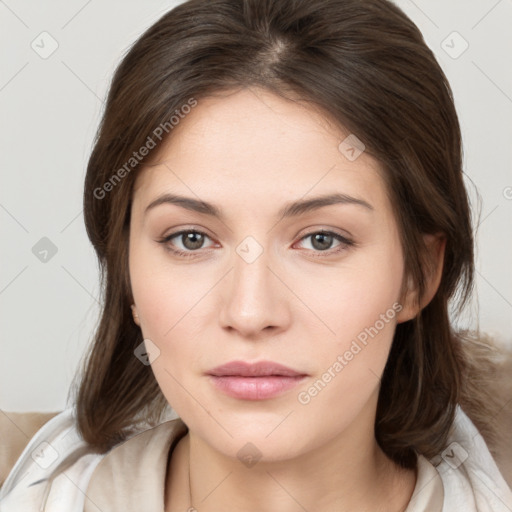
(171, 303)
(168, 296)
(361, 310)
(354, 297)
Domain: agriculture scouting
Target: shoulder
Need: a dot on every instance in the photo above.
(16, 430)
(57, 468)
(487, 394)
(56, 447)
(471, 479)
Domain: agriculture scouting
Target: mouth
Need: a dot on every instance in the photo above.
(256, 381)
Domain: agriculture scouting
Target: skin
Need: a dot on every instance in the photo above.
(249, 153)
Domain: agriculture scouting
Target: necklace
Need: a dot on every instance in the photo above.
(190, 508)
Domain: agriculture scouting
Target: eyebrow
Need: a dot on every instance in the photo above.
(292, 209)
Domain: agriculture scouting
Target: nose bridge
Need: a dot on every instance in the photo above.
(253, 299)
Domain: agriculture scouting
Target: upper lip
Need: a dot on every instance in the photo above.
(260, 369)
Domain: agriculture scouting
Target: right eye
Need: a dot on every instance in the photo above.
(191, 239)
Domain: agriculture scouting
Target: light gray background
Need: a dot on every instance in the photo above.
(50, 108)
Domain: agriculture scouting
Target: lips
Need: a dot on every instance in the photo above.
(261, 369)
(257, 381)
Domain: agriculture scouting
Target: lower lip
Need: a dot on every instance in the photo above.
(255, 388)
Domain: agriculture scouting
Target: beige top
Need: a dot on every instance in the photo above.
(132, 476)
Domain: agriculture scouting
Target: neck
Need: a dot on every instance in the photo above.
(349, 472)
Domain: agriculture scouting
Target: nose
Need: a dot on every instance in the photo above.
(255, 298)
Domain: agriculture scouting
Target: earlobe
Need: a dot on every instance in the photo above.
(411, 303)
(135, 315)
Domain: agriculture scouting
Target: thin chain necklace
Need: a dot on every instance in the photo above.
(190, 508)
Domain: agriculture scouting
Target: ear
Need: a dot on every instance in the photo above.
(436, 245)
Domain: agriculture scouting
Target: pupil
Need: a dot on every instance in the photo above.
(322, 237)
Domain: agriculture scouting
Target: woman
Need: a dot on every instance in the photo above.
(276, 200)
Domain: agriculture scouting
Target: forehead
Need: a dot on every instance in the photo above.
(252, 143)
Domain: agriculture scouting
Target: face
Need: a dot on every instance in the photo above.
(316, 290)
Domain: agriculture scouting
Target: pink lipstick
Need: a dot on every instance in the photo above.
(256, 381)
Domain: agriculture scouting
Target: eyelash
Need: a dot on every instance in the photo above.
(345, 243)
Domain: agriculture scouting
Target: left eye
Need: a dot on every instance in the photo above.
(322, 240)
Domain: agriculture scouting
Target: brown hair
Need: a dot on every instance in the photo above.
(366, 65)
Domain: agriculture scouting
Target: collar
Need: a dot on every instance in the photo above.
(132, 476)
(428, 492)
